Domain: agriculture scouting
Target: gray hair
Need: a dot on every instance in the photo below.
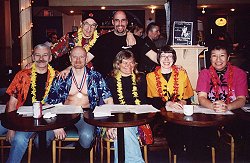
(42, 46)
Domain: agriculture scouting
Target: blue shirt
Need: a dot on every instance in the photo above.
(96, 88)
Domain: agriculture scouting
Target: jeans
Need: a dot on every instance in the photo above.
(3, 130)
(85, 132)
(132, 146)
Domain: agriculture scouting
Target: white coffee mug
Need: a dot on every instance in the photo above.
(188, 110)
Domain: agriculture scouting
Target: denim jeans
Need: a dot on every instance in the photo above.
(20, 142)
(132, 146)
(85, 132)
(3, 130)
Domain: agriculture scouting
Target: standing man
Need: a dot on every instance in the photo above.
(108, 45)
(153, 33)
(82, 87)
(28, 86)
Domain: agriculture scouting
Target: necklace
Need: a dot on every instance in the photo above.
(159, 87)
(120, 92)
(79, 40)
(50, 78)
(215, 80)
(79, 87)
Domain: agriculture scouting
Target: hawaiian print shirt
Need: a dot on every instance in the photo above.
(96, 88)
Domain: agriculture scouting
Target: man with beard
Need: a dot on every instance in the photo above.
(81, 87)
(153, 33)
(86, 37)
(28, 86)
(108, 45)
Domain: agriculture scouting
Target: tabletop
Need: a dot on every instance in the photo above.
(197, 119)
(241, 114)
(119, 119)
(14, 121)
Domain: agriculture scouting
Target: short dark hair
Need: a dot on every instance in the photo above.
(218, 45)
(151, 26)
(166, 49)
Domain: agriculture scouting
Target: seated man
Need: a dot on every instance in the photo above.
(82, 87)
(28, 86)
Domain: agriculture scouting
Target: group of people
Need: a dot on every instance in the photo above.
(121, 75)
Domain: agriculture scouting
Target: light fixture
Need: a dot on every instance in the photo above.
(103, 8)
(232, 9)
(71, 11)
(221, 22)
(152, 7)
(152, 11)
(203, 11)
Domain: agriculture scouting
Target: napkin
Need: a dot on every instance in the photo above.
(49, 115)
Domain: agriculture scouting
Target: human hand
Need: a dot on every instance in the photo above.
(130, 39)
(64, 73)
(60, 133)
(111, 133)
(174, 105)
(10, 135)
(219, 106)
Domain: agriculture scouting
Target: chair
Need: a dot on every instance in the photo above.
(227, 138)
(5, 145)
(57, 144)
(109, 148)
(174, 156)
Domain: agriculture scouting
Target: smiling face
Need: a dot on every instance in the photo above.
(120, 22)
(88, 27)
(127, 66)
(219, 59)
(166, 60)
(78, 57)
(41, 56)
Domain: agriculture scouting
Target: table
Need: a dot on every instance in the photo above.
(241, 114)
(202, 121)
(197, 119)
(14, 121)
(119, 121)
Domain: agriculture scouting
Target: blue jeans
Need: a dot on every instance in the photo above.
(85, 132)
(20, 142)
(3, 130)
(132, 146)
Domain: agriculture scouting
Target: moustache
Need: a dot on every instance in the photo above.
(41, 61)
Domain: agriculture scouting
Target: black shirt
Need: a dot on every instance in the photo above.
(127, 89)
(108, 45)
(40, 89)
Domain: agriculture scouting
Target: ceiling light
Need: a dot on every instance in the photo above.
(103, 7)
(152, 11)
(232, 9)
(203, 11)
(71, 11)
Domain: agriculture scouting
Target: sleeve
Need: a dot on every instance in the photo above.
(188, 90)
(141, 44)
(61, 48)
(203, 82)
(149, 85)
(104, 88)
(241, 84)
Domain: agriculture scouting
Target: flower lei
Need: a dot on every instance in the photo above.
(215, 80)
(158, 83)
(134, 89)
(91, 42)
(48, 83)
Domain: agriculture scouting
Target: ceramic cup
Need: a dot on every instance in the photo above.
(188, 110)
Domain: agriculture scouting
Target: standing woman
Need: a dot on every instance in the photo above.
(128, 87)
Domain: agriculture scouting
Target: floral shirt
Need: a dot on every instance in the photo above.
(239, 85)
(96, 88)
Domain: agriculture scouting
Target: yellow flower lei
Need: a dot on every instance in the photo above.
(134, 89)
(91, 42)
(48, 83)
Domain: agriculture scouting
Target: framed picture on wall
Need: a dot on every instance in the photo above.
(182, 33)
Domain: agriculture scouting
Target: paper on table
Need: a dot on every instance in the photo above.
(200, 109)
(107, 109)
(246, 108)
(2, 108)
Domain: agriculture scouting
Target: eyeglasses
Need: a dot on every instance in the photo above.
(92, 26)
(166, 56)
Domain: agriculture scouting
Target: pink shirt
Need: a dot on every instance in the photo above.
(239, 85)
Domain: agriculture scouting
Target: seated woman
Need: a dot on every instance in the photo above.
(169, 84)
(223, 86)
(127, 86)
